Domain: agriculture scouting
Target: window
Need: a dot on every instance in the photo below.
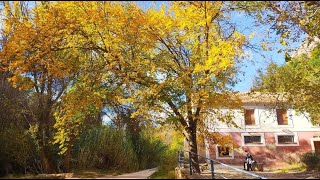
(282, 117)
(224, 152)
(286, 139)
(252, 140)
(249, 116)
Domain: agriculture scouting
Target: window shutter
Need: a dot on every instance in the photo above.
(279, 117)
(284, 117)
(249, 116)
(252, 117)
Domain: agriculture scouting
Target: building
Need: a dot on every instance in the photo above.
(273, 133)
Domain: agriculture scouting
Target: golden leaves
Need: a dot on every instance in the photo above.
(21, 82)
(158, 55)
(76, 105)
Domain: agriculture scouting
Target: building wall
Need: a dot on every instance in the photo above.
(265, 119)
(270, 153)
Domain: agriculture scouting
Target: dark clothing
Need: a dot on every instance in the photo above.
(248, 162)
(248, 156)
(249, 166)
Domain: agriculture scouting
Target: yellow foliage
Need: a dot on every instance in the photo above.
(174, 53)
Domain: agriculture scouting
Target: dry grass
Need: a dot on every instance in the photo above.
(292, 168)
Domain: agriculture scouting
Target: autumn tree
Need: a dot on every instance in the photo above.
(179, 62)
(32, 55)
(182, 62)
(63, 51)
(105, 28)
(176, 64)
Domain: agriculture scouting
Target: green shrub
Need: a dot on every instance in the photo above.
(167, 166)
(149, 150)
(105, 148)
(112, 149)
(168, 162)
(18, 152)
(311, 160)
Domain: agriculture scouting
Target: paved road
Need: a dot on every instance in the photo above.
(136, 175)
(145, 174)
(223, 172)
(232, 174)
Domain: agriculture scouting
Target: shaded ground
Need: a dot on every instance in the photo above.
(223, 172)
(92, 174)
(220, 171)
(291, 175)
(144, 174)
(136, 175)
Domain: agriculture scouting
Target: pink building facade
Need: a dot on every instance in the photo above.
(274, 137)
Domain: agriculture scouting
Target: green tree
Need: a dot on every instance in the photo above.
(298, 80)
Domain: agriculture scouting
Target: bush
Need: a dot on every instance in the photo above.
(105, 148)
(112, 149)
(18, 152)
(167, 165)
(168, 162)
(149, 150)
(311, 160)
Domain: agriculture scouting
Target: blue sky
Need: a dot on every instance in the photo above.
(261, 59)
(256, 60)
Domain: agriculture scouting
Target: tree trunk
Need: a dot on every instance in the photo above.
(67, 160)
(192, 133)
(67, 156)
(43, 137)
(46, 164)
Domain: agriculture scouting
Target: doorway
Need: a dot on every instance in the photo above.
(316, 145)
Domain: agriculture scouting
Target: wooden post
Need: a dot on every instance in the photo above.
(190, 162)
(179, 158)
(212, 169)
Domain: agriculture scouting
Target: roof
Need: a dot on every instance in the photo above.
(262, 98)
